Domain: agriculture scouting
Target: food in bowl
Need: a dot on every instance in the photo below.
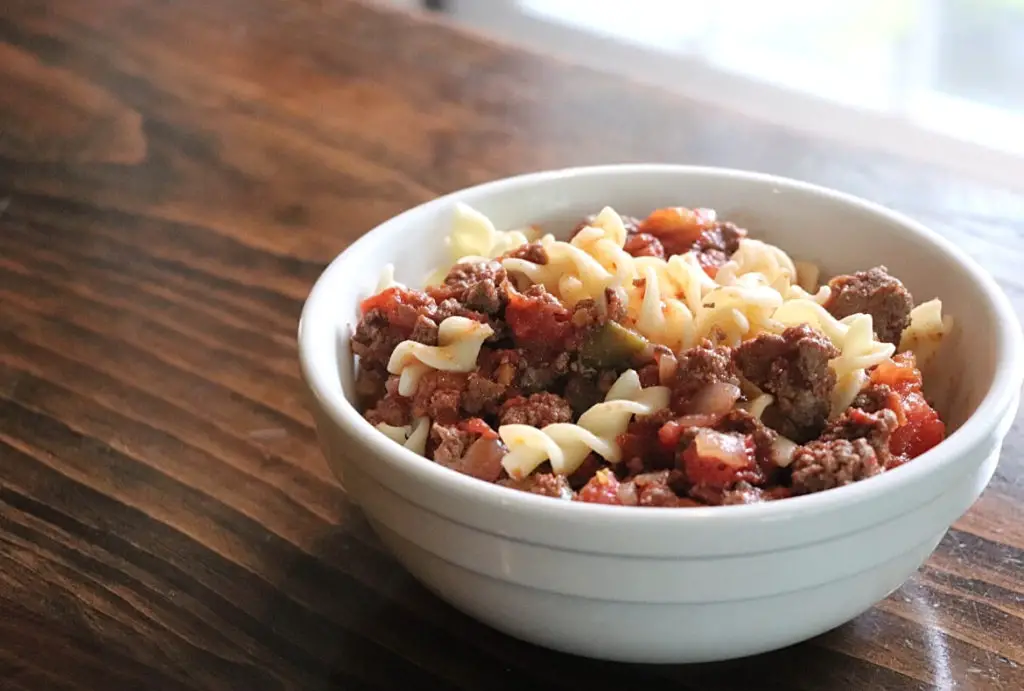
(669, 361)
(650, 585)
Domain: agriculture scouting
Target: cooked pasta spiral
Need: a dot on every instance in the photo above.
(807, 278)
(566, 445)
(387, 279)
(473, 237)
(754, 256)
(412, 437)
(604, 239)
(571, 273)
(661, 318)
(926, 330)
(731, 314)
(774, 268)
(459, 340)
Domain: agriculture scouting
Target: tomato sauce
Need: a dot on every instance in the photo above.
(920, 427)
(538, 321)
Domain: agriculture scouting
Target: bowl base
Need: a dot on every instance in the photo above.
(684, 632)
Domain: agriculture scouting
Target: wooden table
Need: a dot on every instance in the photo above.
(173, 177)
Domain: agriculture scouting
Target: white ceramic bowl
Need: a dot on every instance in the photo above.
(655, 584)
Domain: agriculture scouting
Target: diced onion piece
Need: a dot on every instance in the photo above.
(715, 399)
(670, 433)
(483, 459)
(782, 451)
(699, 420)
(757, 406)
(730, 449)
(667, 366)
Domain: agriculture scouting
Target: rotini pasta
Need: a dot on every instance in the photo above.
(604, 240)
(567, 445)
(459, 340)
(774, 268)
(807, 276)
(926, 330)
(673, 302)
(664, 320)
(664, 298)
(739, 311)
(412, 437)
(756, 257)
(473, 237)
(387, 279)
(571, 273)
(473, 234)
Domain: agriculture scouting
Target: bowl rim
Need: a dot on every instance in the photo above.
(316, 325)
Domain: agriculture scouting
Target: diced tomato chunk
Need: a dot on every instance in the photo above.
(923, 428)
(475, 425)
(392, 301)
(676, 227)
(669, 433)
(633, 445)
(538, 320)
(920, 427)
(894, 402)
(640, 444)
(900, 374)
(603, 488)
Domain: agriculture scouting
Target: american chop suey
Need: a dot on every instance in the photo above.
(671, 361)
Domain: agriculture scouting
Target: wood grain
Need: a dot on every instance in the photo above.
(173, 177)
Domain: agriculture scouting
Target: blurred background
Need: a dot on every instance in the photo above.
(939, 80)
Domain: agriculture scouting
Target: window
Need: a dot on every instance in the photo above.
(952, 66)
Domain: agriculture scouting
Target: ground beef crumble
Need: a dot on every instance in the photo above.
(424, 331)
(873, 292)
(590, 313)
(537, 410)
(392, 410)
(482, 395)
(821, 465)
(715, 245)
(478, 286)
(876, 397)
(742, 493)
(654, 489)
(546, 484)
(467, 452)
(876, 428)
(794, 369)
(532, 252)
(740, 421)
(375, 339)
(853, 447)
(644, 245)
(439, 396)
(697, 367)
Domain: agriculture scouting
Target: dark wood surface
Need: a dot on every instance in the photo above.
(173, 176)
